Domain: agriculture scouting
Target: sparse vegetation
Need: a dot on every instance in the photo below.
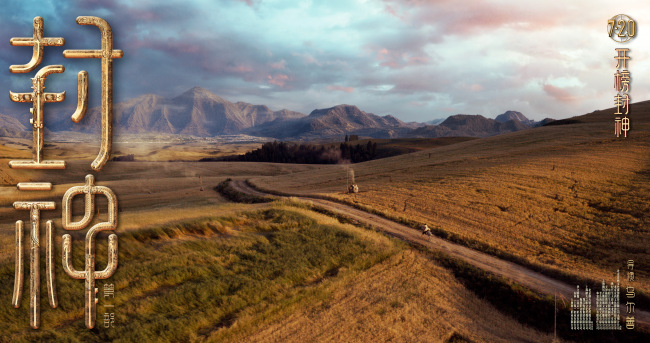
(566, 200)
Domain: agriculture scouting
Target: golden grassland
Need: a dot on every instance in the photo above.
(155, 150)
(193, 268)
(405, 298)
(399, 146)
(568, 198)
(149, 193)
(269, 274)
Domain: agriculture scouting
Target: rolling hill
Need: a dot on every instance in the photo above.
(568, 198)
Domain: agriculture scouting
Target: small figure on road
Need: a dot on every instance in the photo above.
(426, 231)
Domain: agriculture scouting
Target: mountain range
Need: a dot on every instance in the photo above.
(335, 121)
(466, 125)
(198, 112)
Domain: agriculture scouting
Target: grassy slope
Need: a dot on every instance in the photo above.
(571, 198)
(244, 277)
(399, 146)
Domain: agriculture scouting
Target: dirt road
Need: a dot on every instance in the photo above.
(512, 271)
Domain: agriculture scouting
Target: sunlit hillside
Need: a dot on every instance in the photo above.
(570, 198)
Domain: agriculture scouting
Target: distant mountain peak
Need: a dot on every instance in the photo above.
(197, 89)
(512, 115)
(457, 119)
(391, 117)
(340, 109)
(200, 93)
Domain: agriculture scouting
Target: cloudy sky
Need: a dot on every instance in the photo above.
(417, 59)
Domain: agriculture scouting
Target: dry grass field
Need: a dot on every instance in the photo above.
(400, 146)
(382, 290)
(152, 147)
(406, 298)
(568, 198)
(149, 193)
(352, 284)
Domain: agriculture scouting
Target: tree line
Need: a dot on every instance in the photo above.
(286, 152)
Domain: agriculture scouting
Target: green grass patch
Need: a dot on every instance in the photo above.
(211, 279)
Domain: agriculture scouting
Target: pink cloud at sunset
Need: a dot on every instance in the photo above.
(559, 94)
(340, 88)
(279, 80)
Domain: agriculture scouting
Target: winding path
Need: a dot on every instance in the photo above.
(519, 274)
